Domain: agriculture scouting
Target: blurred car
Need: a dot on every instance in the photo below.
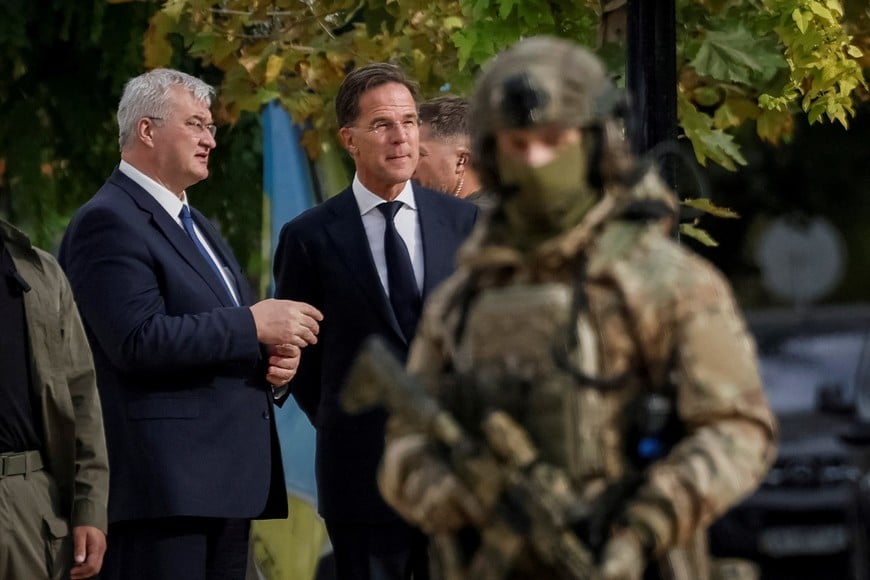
(809, 519)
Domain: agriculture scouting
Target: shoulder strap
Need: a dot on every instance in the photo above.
(630, 289)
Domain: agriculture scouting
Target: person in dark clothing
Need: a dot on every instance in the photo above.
(54, 480)
(367, 258)
(189, 368)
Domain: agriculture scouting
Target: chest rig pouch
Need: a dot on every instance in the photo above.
(505, 360)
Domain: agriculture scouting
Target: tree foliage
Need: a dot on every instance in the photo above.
(740, 61)
(58, 134)
(59, 89)
(759, 61)
(750, 63)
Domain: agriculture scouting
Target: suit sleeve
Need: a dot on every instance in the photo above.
(296, 278)
(121, 290)
(91, 485)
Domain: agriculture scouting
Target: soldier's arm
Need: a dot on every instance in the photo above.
(730, 430)
(91, 487)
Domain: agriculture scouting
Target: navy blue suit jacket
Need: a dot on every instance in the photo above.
(187, 410)
(323, 258)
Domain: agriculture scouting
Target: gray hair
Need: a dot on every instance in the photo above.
(148, 96)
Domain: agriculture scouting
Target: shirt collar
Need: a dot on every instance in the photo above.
(367, 201)
(167, 200)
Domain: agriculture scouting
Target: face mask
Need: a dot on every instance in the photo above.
(541, 202)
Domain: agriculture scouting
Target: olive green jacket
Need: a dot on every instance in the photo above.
(74, 444)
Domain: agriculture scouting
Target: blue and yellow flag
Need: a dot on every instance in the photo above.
(288, 549)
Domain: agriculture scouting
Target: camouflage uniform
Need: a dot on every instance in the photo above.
(658, 317)
(570, 335)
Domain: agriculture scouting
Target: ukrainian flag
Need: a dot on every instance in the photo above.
(289, 549)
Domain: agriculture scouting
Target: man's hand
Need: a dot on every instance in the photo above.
(89, 547)
(286, 322)
(623, 556)
(423, 490)
(283, 362)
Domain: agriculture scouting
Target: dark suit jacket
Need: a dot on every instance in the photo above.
(187, 409)
(323, 258)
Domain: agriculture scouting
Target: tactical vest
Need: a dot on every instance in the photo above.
(538, 351)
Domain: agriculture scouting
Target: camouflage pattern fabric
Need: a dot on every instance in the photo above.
(655, 317)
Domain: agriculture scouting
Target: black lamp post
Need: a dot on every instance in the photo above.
(651, 76)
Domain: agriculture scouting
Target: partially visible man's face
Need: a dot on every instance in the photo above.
(441, 162)
(384, 138)
(182, 142)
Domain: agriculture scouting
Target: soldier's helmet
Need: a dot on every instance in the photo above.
(539, 80)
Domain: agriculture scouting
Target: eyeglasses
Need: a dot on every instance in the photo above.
(194, 124)
(382, 127)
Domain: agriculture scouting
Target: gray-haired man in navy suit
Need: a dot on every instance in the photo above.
(187, 369)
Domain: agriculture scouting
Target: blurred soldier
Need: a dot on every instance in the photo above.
(445, 150)
(622, 354)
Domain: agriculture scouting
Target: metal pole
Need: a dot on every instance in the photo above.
(651, 76)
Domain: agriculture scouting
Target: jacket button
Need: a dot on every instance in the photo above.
(266, 414)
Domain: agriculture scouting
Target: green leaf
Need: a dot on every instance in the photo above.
(801, 20)
(774, 126)
(203, 43)
(698, 234)
(465, 41)
(274, 65)
(711, 208)
(174, 9)
(452, 23)
(736, 55)
(708, 143)
(724, 117)
(723, 148)
(835, 6)
(707, 96)
(267, 95)
(819, 10)
(854, 51)
(506, 6)
(157, 49)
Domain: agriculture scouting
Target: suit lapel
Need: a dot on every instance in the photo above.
(225, 255)
(169, 228)
(347, 233)
(438, 241)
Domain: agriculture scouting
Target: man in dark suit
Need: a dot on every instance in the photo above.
(184, 365)
(368, 269)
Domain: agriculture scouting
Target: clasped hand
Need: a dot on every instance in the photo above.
(285, 327)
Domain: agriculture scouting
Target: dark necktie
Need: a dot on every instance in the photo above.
(187, 224)
(404, 296)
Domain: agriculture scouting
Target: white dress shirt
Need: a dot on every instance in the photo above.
(407, 225)
(172, 204)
